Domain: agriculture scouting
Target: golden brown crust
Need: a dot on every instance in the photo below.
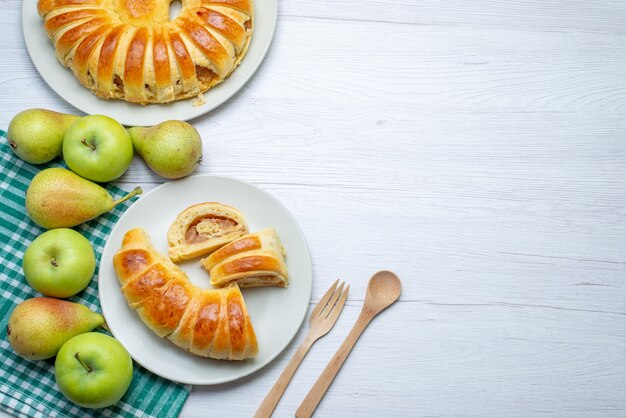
(106, 60)
(242, 5)
(221, 342)
(223, 24)
(208, 322)
(189, 55)
(205, 42)
(237, 325)
(139, 10)
(250, 242)
(251, 261)
(186, 66)
(71, 37)
(252, 349)
(144, 285)
(162, 71)
(165, 306)
(134, 261)
(83, 54)
(61, 20)
(133, 68)
(243, 264)
(46, 6)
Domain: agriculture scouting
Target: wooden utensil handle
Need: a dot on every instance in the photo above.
(271, 400)
(307, 407)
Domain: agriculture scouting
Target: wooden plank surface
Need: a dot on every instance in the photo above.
(478, 149)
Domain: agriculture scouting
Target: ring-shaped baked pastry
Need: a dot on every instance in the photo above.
(131, 50)
(207, 322)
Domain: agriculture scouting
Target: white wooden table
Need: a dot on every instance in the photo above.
(478, 149)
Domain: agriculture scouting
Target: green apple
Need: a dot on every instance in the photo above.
(93, 370)
(97, 148)
(59, 263)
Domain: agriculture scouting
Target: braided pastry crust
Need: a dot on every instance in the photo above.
(254, 260)
(207, 322)
(130, 50)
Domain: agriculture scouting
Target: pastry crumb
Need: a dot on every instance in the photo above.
(199, 100)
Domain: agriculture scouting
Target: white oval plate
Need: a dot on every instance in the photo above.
(63, 82)
(276, 313)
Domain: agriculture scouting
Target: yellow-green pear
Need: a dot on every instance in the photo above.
(58, 198)
(172, 149)
(36, 135)
(38, 327)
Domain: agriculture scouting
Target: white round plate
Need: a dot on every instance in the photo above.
(276, 313)
(63, 82)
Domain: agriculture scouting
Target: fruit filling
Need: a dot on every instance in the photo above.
(208, 226)
(204, 74)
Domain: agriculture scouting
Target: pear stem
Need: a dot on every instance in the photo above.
(105, 326)
(12, 143)
(82, 363)
(84, 142)
(136, 191)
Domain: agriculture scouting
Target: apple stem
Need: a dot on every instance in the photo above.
(54, 262)
(84, 142)
(133, 193)
(82, 363)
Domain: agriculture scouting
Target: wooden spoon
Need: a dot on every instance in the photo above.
(383, 289)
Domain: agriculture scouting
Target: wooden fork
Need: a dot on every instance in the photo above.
(321, 321)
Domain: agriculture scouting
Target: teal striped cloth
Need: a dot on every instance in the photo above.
(27, 388)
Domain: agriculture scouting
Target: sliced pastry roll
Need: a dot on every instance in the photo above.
(203, 228)
(207, 322)
(253, 260)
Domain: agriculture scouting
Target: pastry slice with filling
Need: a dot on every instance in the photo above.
(253, 260)
(203, 228)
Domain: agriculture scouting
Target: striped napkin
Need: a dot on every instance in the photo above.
(27, 388)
